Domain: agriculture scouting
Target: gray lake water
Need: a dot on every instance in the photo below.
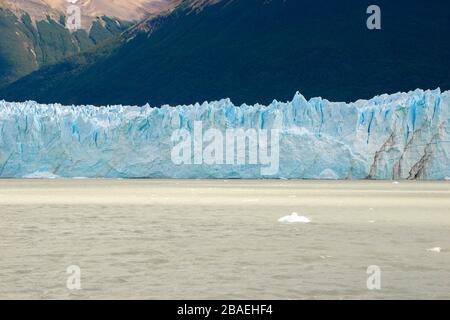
(155, 239)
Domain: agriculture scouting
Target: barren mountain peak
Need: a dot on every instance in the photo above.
(129, 10)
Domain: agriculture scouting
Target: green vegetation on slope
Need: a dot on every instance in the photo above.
(26, 46)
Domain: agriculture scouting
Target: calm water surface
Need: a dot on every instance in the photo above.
(150, 239)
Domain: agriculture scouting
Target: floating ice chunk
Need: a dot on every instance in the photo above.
(41, 175)
(435, 249)
(395, 182)
(371, 221)
(294, 218)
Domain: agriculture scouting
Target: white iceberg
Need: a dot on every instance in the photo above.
(294, 218)
(435, 249)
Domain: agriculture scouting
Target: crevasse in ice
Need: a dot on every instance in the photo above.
(398, 136)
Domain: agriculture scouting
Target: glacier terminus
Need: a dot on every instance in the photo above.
(397, 136)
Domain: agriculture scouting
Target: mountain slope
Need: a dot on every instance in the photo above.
(32, 32)
(254, 51)
(125, 10)
(27, 45)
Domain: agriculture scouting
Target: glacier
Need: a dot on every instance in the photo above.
(397, 136)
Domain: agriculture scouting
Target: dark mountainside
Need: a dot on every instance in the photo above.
(256, 51)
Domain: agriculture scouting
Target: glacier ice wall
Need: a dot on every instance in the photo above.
(399, 136)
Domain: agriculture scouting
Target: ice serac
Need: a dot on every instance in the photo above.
(399, 136)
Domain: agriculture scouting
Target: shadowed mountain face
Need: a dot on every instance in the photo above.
(255, 51)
